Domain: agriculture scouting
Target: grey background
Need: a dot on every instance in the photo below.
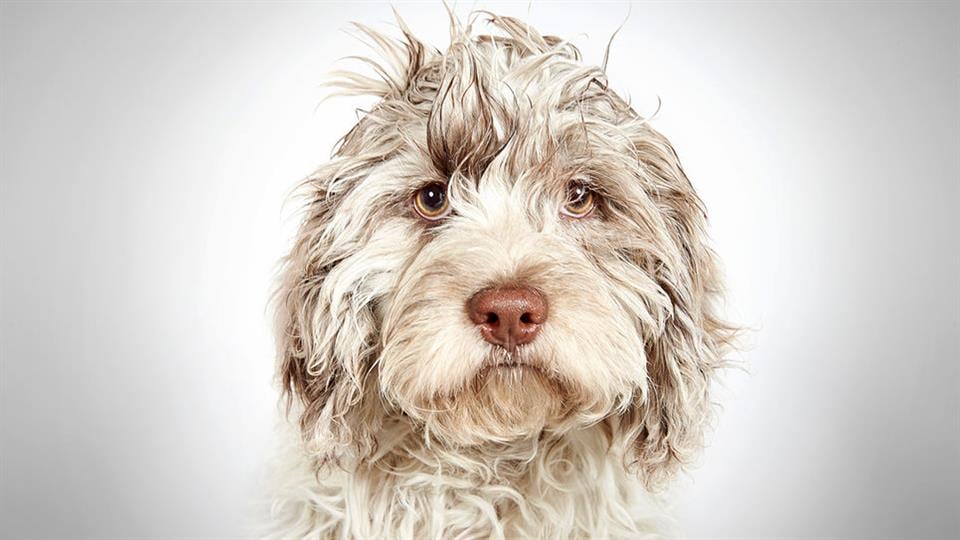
(147, 150)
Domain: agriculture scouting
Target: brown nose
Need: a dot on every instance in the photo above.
(508, 317)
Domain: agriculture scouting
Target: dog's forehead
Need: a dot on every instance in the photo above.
(495, 113)
(485, 113)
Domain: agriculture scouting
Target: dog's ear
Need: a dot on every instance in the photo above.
(323, 337)
(326, 326)
(664, 426)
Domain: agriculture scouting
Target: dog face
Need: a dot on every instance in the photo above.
(500, 247)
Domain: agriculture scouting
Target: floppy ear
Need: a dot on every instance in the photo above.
(326, 327)
(666, 425)
(323, 338)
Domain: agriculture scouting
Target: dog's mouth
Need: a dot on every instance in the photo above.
(513, 364)
(510, 365)
(516, 366)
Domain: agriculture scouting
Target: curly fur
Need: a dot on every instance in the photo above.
(404, 430)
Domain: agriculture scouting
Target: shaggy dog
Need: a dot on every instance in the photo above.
(497, 319)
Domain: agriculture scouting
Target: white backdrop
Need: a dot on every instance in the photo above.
(147, 150)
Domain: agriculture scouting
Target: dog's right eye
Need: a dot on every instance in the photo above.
(431, 202)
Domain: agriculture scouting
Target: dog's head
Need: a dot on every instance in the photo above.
(501, 246)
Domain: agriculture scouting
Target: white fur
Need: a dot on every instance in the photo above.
(576, 489)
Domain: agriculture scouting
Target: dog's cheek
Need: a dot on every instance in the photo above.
(593, 343)
(598, 314)
(359, 287)
(426, 352)
(426, 344)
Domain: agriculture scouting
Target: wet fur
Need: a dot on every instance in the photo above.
(406, 428)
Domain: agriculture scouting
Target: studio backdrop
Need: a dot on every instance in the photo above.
(148, 151)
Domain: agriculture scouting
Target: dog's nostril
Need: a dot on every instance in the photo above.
(492, 318)
(526, 319)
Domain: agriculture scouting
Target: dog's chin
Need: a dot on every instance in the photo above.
(506, 401)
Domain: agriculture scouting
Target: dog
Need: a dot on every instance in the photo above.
(498, 318)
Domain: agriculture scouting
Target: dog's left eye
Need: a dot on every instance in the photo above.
(431, 201)
(581, 200)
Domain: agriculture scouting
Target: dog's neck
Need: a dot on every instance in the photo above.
(548, 485)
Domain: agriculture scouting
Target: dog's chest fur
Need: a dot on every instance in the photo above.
(570, 487)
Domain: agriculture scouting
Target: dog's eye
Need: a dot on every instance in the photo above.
(431, 201)
(581, 200)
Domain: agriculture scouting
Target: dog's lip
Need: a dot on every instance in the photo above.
(513, 364)
(508, 361)
(512, 361)
(511, 367)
